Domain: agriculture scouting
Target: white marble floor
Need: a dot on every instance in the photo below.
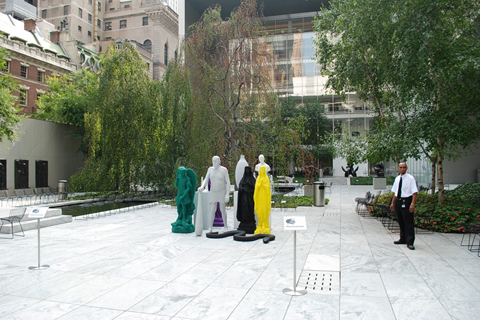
(130, 266)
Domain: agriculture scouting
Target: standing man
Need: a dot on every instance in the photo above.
(403, 203)
(219, 190)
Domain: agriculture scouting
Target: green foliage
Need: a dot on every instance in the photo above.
(122, 119)
(127, 115)
(234, 108)
(469, 193)
(417, 63)
(282, 201)
(8, 112)
(93, 177)
(447, 217)
(365, 181)
(69, 97)
(382, 199)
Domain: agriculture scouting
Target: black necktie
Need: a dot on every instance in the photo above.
(399, 193)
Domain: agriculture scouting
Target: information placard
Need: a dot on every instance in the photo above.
(36, 212)
(295, 223)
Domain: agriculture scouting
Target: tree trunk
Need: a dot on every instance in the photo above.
(433, 175)
(440, 173)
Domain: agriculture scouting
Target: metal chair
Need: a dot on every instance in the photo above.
(329, 186)
(15, 215)
(361, 202)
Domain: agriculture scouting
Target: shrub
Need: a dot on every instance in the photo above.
(449, 217)
(468, 192)
(383, 199)
(366, 181)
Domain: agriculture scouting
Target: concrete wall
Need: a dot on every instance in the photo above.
(46, 141)
(463, 170)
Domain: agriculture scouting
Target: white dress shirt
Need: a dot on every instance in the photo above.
(409, 185)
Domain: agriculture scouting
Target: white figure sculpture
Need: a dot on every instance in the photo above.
(219, 190)
(240, 169)
(261, 163)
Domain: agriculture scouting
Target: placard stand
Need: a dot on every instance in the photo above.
(295, 223)
(38, 212)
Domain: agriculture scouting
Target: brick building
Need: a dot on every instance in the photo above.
(32, 59)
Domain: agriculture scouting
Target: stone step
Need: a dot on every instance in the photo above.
(53, 217)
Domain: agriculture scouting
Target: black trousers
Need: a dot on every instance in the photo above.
(405, 220)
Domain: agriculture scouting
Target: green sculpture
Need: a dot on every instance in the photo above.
(186, 183)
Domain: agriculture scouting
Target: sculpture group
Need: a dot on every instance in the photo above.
(253, 196)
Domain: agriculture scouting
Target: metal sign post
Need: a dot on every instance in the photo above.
(38, 213)
(295, 223)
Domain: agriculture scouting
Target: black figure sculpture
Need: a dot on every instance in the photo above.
(245, 206)
(350, 170)
(380, 170)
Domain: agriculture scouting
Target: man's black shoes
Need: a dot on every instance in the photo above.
(410, 246)
(399, 242)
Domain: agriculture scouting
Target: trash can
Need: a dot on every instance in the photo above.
(320, 173)
(319, 193)
(62, 189)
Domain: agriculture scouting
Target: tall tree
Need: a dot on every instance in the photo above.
(230, 68)
(123, 127)
(9, 117)
(416, 61)
(69, 97)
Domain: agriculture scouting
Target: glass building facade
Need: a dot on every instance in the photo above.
(296, 75)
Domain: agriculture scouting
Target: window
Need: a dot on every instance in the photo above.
(176, 55)
(44, 14)
(89, 33)
(80, 28)
(41, 76)
(165, 54)
(123, 24)
(66, 10)
(145, 21)
(110, 1)
(89, 18)
(89, 1)
(80, 12)
(23, 71)
(23, 97)
(7, 67)
(41, 174)
(147, 44)
(99, 6)
(3, 174)
(108, 25)
(99, 23)
(126, 6)
(21, 174)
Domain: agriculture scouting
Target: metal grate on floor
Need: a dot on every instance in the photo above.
(321, 282)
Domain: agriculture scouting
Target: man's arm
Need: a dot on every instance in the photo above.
(392, 206)
(205, 181)
(412, 205)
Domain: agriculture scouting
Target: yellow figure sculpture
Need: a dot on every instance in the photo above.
(262, 197)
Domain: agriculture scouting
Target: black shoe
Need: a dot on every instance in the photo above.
(399, 242)
(410, 246)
